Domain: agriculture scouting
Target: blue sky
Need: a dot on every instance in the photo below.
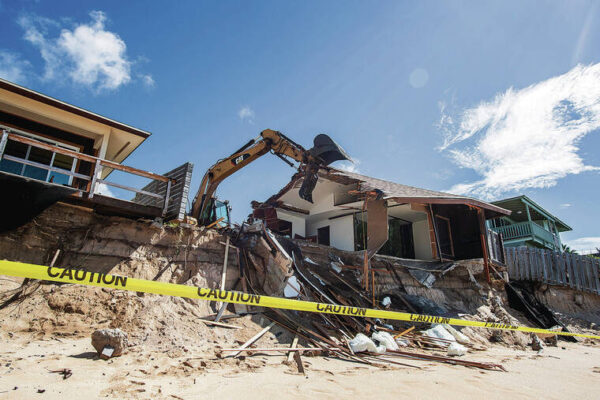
(490, 100)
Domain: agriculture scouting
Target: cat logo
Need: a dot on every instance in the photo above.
(241, 158)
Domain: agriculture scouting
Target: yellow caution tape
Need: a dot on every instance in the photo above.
(82, 277)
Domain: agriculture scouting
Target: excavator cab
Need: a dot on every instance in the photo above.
(217, 212)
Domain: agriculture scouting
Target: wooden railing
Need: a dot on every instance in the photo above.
(98, 165)
(526, 229)
(554, 268)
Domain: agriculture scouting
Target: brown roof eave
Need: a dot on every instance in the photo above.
(11, 87)
(438, 200)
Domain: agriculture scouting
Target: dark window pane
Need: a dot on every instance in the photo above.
(62, 161)
(15, 149)
(323, 236)
(40, 155)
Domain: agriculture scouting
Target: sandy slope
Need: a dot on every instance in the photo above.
(572, 372)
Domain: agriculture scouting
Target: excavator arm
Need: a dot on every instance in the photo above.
(324, 152)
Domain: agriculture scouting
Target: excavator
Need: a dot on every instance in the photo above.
(207, 209)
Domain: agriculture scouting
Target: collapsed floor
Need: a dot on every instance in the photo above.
(256, 261)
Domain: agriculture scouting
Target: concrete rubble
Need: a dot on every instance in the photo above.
(109, 342)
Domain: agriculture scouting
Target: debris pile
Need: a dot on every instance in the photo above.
(269, 261)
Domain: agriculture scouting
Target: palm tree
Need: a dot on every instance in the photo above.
(567, 249)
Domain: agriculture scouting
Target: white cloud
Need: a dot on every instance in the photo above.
(525, 138)
(88, 54)
(104, 190)
(584, 33)
(584, 244)
(13, 68)
(246, 114)
(148, 80)
(565, 205)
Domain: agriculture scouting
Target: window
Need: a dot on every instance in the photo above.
(400, 237)
(323, 235)
(284, 228)
(400, 240)
(42, 157)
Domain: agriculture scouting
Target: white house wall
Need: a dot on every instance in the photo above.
(298, 223)
(341, 231)
(421, 240)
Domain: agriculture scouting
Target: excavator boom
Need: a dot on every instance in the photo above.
(324, 152)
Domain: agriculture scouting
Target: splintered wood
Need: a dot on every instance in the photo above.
(271, 260)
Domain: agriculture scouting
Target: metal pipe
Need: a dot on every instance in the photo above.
(129, 188)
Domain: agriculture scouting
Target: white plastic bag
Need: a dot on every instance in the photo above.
(385, 339)
(362, 343)
(439, 332)
(458, 335)
(456, 349)
(386, 301)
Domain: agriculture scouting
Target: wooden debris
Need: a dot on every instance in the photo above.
(253, 339)
(404, 332)
(221, 324)
(65, 372)
(273, 349)
(298, 360)
(294, 344)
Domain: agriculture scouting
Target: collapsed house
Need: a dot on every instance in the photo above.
(354, 212)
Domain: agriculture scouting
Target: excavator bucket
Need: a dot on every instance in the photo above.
(326, 150)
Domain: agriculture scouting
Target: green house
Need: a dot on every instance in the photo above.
(528, 225)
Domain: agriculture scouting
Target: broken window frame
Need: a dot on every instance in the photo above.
(451, 241)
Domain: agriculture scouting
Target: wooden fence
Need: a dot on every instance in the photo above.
(554, 268)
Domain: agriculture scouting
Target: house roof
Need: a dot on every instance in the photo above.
(20, 90)
(519, 211)
(397, 191)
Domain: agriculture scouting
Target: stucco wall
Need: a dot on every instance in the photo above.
(341, 231)
(298, 223)
(421, 240)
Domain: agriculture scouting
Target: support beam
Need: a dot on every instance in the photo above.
(435, 234)
(223, 277)
(483, 235)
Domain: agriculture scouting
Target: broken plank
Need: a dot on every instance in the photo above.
(221, 324)
(294, 344)
(282, 349)
(404, 332)
(298, 360)
(253, 339)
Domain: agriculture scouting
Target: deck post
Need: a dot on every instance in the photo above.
(482, 231)
(3, 143)
(97, 171)
(166, 204)
(528, 213)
